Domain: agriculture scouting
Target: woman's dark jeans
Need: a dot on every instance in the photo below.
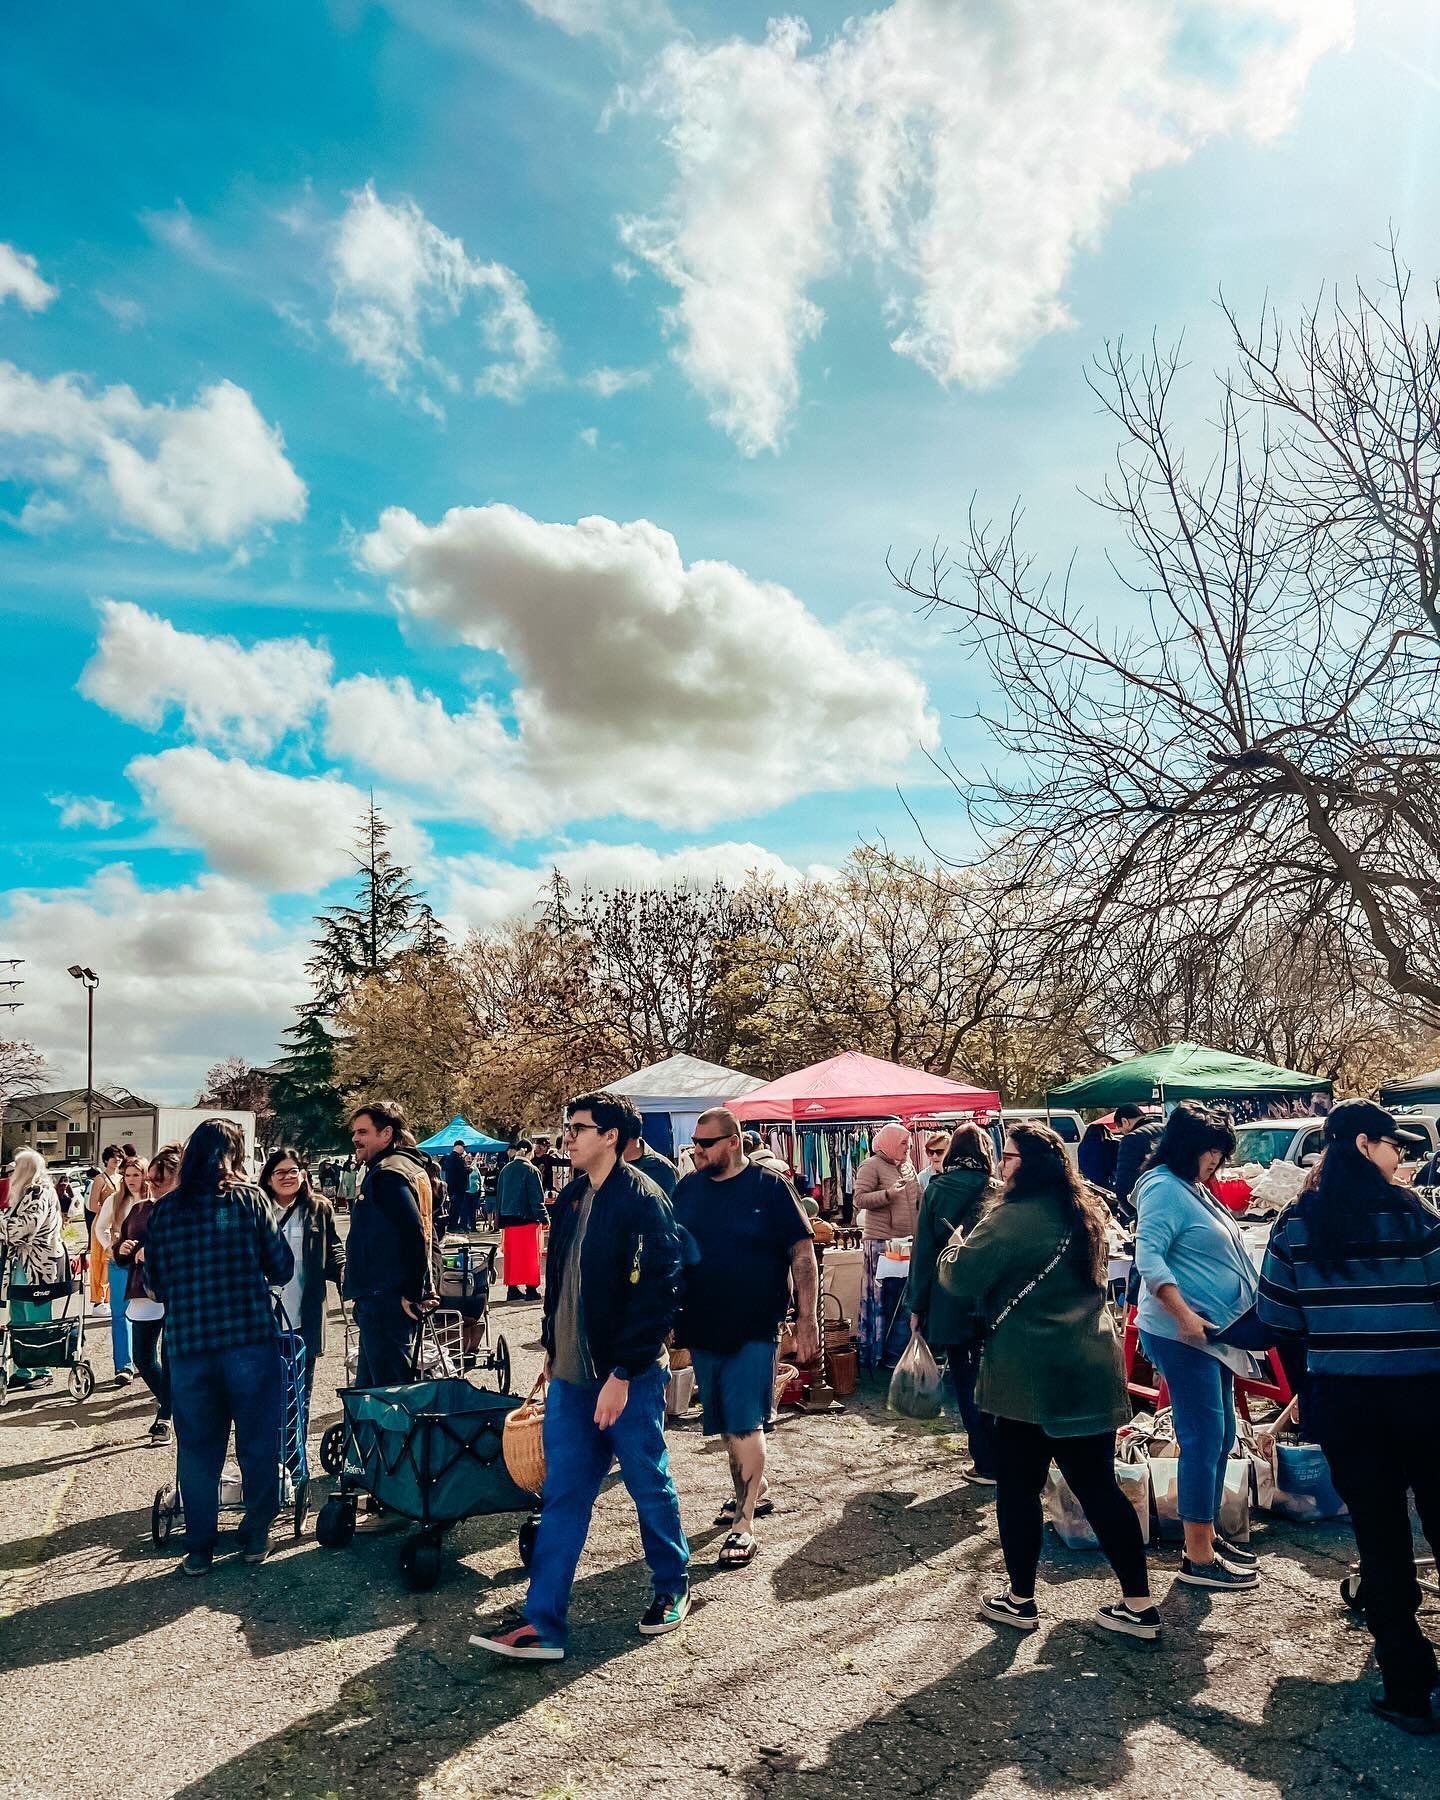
(1023, 1456)
(211, 1389)
(964, 1361)
(147, 1345)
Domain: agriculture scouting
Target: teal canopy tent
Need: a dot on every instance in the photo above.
(1185, 1072)
(1415, 1090)
(459, 1130)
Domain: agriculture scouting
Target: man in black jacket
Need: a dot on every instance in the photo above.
(612, 1284)
(457, 1180)
(1138, 1137)
(387, 1263)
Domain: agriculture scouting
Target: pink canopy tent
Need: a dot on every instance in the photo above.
(855, 1086)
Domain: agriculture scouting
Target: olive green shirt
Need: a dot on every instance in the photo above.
(1055, 1361)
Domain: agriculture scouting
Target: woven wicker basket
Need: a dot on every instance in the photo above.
(524, 1441)
(785, 1373)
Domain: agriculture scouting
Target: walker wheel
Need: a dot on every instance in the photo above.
(500, 1362)
(332, 1449)
(1350, 1593)
(529, 1531)
(82, 1382)
(335, 1524)
(302, 1507)
(162, 1516)
(420, 1561)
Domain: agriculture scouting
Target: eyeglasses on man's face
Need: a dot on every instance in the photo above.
(573, 1127)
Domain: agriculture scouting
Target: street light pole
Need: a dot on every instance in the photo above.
(89, 980)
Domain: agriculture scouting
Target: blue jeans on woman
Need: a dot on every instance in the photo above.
(1202, 1396)
(119, 1323)
(210, 1389)
(964, 1362)
(577, 1460)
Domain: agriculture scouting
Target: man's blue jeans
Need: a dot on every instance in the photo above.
(209, 1390)
(1202, 1395)
(577, 1460)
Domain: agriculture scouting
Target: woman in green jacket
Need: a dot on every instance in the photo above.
(954, 1200)
(1030, 1280)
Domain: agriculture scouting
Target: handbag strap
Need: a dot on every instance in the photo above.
(1030, 1286)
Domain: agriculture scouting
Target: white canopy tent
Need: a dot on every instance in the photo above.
(671, 1096)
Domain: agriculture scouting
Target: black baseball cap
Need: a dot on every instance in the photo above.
(1363, 1118)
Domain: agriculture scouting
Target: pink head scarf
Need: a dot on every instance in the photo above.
(893, 1143)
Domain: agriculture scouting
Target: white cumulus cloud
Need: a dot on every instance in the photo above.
(971, 151)
(284, 833)
(86, 809)
(607, 383)
(188, 974)
(644, 686)
(143, 667)
(20, 279)
(207, 473)
(394, 273)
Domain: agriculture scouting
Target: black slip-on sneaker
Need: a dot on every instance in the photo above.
(1237, 1555)
(1004, 1609)
(1217, 1575)
(1136, 1622)
(1419, 1724)
(666, 1612)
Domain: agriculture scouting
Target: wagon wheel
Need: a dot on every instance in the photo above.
(1351, 1593)
(82, 1382)
(500, 1362)
(162, 1516)
(332, 1449)
(420, 1561)
(302, 1506)
(528, 1533)
(335, 1524)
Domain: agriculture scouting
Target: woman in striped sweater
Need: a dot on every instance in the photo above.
(1353, 1271)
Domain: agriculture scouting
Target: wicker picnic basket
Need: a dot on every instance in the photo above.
(785, 1373)
(524, 1441)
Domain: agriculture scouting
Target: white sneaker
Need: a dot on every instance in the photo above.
(99, 1312)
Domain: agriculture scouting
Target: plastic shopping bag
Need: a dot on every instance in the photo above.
(1063, 1511)
(915, 1385)
(1303, 1488)
(1234, 1520)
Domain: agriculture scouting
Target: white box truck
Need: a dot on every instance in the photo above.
(148, 1127)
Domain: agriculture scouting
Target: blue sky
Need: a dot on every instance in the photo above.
(277, 269)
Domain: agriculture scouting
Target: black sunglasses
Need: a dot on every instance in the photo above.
(710, 1143)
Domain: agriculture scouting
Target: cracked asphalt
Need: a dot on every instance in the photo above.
(847, 1660)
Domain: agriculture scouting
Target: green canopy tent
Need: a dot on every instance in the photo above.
(1416, 1090)
(1184, 1072)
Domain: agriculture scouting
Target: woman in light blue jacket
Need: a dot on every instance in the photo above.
(1197, 1279)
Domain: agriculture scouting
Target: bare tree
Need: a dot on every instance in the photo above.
(1255, 739)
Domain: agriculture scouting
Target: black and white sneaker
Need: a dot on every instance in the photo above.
(1236, 1555)
(160, 1432)
(1137, 1623)
(1004, 1609)
(666, 1612)
(1217, 1574)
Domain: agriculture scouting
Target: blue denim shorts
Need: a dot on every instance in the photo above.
(737, 1392)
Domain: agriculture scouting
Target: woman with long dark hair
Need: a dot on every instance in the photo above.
(144, 1312)
(1353, 1272)
(954, 1201)
(307, 1223)
(1197, 1279)
(214, 1251)
(1031, 1279)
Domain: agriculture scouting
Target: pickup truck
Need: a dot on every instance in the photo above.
(1300, 1141)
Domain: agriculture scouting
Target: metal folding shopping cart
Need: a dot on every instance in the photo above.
(168, 1508)
(432, 1451)
(56, 1342)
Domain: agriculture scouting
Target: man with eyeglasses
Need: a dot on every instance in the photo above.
(753, 1240)
(612, 1283)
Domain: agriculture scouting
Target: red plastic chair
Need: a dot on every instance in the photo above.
(1157, 1396)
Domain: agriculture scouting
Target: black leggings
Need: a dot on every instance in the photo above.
(147, 1346)
(1023, 1455)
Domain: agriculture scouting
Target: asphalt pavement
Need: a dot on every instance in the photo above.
(847, 1660)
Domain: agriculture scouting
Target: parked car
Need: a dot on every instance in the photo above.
(1301, 1140)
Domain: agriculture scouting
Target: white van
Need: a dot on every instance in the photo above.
(1266, 1141)
(1069, 1127)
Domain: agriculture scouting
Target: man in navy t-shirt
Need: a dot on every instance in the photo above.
(752, 1238)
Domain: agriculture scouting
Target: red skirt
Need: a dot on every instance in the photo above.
(522, 1256)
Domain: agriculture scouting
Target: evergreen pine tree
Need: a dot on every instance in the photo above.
(353, 940)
